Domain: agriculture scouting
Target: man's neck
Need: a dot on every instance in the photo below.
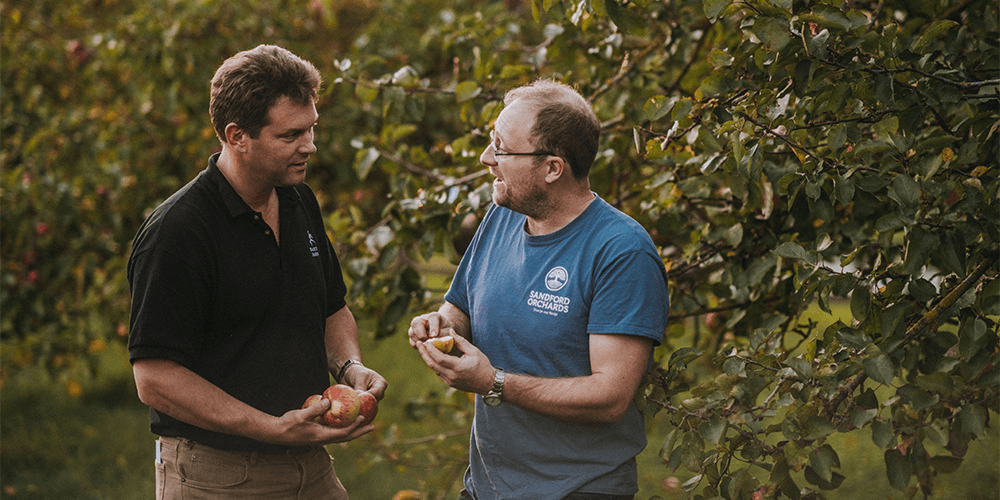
(255, 194)
(564, 210)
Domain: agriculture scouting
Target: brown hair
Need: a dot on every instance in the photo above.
(247, 84)
(565, 123)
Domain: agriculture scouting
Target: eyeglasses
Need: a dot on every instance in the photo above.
(498, 152)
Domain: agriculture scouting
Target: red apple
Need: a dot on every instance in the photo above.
(344, 405)
(311, 400)
(369, 407)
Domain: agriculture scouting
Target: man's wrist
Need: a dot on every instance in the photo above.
(495, 394)
(339, 377)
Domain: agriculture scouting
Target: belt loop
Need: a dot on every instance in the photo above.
(252, 457)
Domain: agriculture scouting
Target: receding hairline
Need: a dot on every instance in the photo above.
(546, 92)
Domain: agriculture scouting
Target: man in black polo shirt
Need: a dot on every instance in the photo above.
(238, 302)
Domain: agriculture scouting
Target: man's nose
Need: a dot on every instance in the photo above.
(308, 146)
(488, 158)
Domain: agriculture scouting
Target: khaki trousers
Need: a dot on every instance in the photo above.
(191, 471)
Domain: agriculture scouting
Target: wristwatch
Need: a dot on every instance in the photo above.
(492, 398)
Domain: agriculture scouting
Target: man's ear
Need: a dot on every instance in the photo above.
(236, 137)
(555, 169)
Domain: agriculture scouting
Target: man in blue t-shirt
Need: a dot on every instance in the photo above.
(556, 307)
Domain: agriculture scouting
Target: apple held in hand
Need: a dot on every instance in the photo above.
(443, 344)
(344, 405)
(311, 400)
(369, 407)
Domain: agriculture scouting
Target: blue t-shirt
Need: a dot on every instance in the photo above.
(533, 302)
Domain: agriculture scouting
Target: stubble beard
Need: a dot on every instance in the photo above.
(534, 204)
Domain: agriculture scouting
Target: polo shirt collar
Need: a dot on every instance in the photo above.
(234, 203)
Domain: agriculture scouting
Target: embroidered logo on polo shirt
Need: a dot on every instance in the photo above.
(312, 245)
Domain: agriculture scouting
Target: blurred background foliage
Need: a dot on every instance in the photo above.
(820, 177)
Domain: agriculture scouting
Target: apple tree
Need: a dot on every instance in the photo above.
(785, 155)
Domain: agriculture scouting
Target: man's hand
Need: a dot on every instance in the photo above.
(470, 372)
(448, 320)
(427, 326)
(299, 427)
(362, 378)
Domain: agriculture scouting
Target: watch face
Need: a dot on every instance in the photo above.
(491, 399)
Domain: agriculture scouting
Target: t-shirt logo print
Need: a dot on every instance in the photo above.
(312, 245)
(556, 278)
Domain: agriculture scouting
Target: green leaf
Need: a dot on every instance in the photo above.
(681, 357)
(467, 90)
(791, 250)
(717, 83)
(734, 235)
(897, 469)
(817, 427)
(857, 19)
(626, 21)
(713, 429)
(921, 243)
(734, 365)
(817, 45)
(882, 434)
(861, 302)
(990, 298)
(972, 338)
(833, 17)
(813, 477)
(952, 252)
(405, 77)
(682, 108)
(363, 161)
(920, 400)
(823, 460)
(714, 7)
(906, 192)
(935, 31)
(772, 33)
(719, 58)
(657, 107)
(935, 382)
(886, 127)
(690, 484)
(855, 339)
(972, 421)
(889, 223)
(838, 137)
(802, 367)
(880, 369)
(922, 290)
(366, 92)
(859, 416)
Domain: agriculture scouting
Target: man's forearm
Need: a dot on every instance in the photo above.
(577, 400)
(341, 340)
(617, 365)
(170, 388)
(457, 320)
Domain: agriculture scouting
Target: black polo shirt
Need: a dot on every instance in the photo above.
(213, 291)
